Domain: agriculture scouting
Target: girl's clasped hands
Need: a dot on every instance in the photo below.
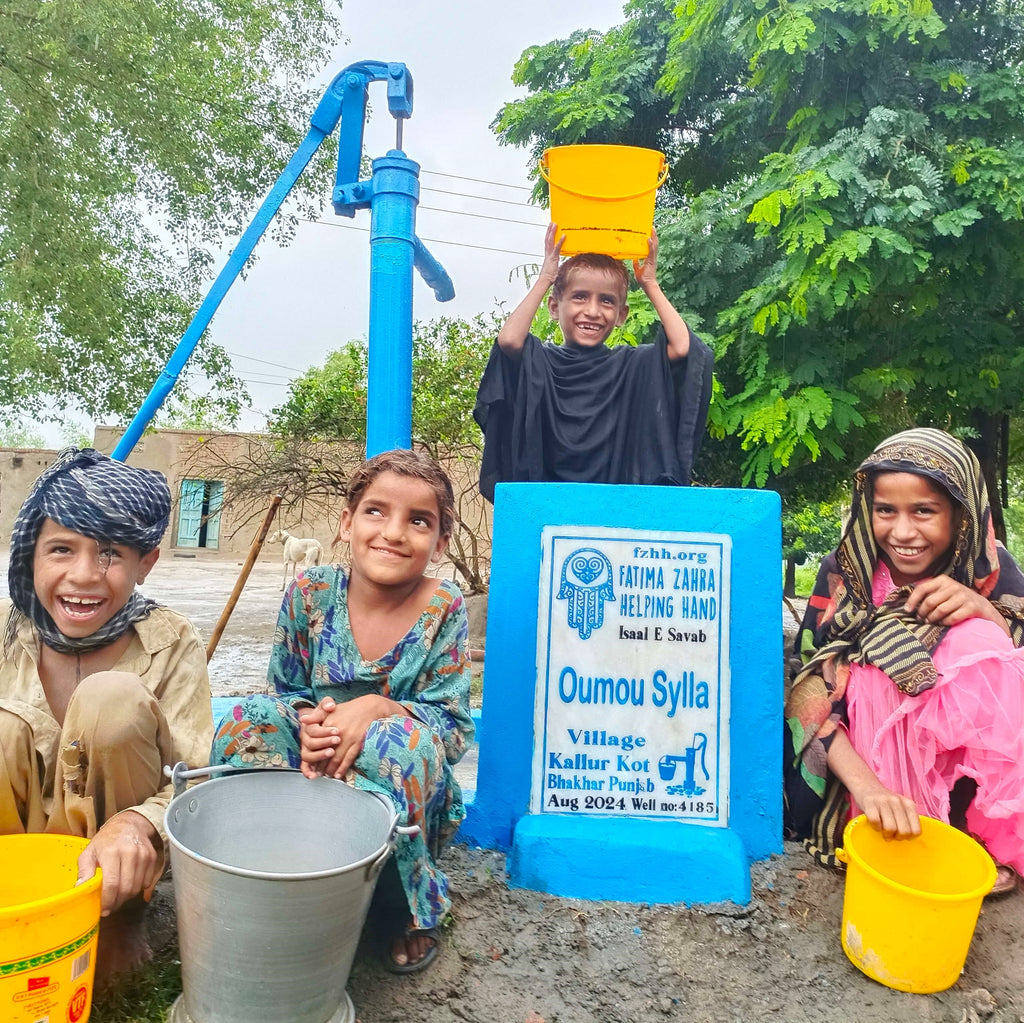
(331, 734)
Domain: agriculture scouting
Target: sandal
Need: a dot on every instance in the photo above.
(1007, 881)
(424, 961)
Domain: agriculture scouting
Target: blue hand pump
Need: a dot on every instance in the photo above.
(392, 194)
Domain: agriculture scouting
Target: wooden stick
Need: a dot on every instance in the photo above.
(254, 550)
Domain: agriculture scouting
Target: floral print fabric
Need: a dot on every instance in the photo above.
(409, 759)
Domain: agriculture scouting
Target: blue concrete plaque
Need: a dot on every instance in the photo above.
(632, 691)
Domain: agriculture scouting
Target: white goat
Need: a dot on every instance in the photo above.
(297, 549)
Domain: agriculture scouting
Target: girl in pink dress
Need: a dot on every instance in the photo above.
(912, 686)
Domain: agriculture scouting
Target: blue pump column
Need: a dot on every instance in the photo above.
(396, 190)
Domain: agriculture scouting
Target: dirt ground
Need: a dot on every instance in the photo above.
(517, 956)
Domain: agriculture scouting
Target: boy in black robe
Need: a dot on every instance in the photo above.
(581, 411)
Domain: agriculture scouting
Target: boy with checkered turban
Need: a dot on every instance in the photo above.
(99, 686)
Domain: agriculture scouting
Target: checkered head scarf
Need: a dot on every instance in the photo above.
(104, 500)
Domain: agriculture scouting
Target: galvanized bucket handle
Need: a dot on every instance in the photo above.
(374, 868)
(181, 774)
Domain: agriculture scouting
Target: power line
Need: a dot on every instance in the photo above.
(479, 181)
(483, 248)
(483, 216)
(252, 358)
(482, 198)
(433, 241)
(256, 411)
(269, 376)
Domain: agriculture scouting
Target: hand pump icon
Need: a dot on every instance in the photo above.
(668, 763)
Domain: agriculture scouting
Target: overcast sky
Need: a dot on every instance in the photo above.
(302, 301)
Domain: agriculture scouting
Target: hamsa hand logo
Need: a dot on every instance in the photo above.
(586, 585)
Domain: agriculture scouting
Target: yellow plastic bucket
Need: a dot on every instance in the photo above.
(602, 197)
(911, 904)
(48, 930)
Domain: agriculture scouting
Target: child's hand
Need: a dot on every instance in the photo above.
(317, 742)
(894, 814)
(552, 255)
(130, 854)
(941, 600)
(645, 271)
(514, 330)
(677, 334)
(330, 745)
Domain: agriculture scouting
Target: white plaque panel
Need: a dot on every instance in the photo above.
(632, 712)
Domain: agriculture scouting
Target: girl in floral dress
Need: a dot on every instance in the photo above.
(370, 679)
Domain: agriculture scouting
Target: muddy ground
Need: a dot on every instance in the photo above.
(517, 956)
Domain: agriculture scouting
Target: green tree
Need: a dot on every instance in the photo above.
(193, 412)
(327, 402)
(135, 137)
(448, 355)
(846, 212)
(809, 529)
(19, 435)
(74, 433)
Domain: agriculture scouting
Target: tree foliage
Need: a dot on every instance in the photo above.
(193, 412)
(448, 355)
(134, 139)
(846, 210)
(328, 401)
(20, 435)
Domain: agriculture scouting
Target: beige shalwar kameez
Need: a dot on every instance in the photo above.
(121, 727)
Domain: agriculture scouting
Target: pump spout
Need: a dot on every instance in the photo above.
(432, 272)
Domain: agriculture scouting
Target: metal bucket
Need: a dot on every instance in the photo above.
(273, 875)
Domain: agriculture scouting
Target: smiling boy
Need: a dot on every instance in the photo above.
(584, 412)
(99, 686)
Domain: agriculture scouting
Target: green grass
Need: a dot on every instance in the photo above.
(805, 576)
(147, 996)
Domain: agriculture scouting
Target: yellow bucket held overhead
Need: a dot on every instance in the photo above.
(602, 197)
(911, 904)
(48, 930)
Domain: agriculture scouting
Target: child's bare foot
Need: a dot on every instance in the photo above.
(123, 944)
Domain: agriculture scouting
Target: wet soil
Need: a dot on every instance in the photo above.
(526, 957)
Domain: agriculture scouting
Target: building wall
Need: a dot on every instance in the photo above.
(195, 454)
(19, 468)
